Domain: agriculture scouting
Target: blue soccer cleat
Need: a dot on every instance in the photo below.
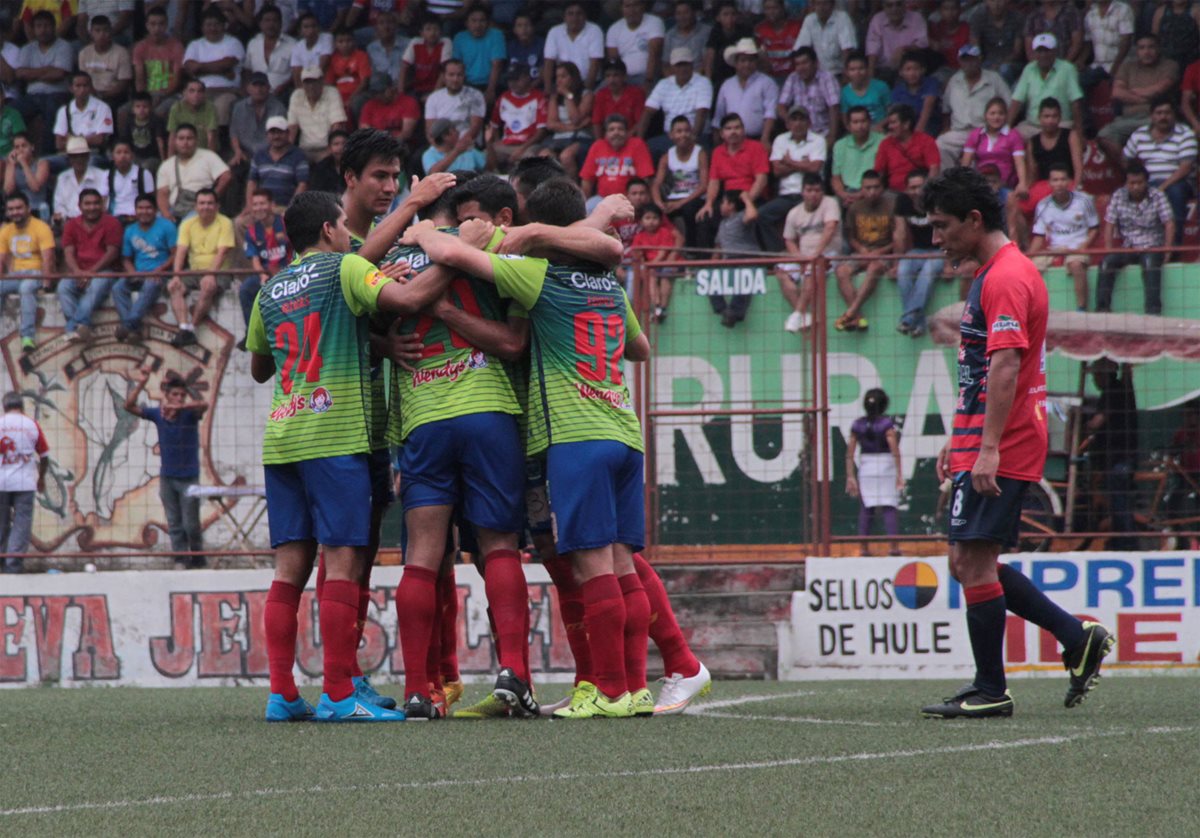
(365, 692)
(280, 709)
(354, 709)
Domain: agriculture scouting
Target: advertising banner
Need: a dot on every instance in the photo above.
(205, 628)
(905, 618)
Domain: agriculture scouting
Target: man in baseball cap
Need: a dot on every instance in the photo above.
(1046, 77)
(966, 96)
(681, 93)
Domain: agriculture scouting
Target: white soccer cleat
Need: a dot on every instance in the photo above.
(677, 692)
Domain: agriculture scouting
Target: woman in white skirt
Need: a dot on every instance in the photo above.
(875, 480)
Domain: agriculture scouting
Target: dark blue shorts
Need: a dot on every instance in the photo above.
(383, 492)
(975, 517)
(596, 495)
(537, 502)
(326, 500)
(472, 461)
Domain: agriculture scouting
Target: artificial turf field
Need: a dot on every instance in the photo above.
(826, 758)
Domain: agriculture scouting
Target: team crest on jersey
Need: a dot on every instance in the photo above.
(320, 400)
(1005, 323)
(373, 279)
(477, 361)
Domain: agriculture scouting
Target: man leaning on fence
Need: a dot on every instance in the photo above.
(1141, 215)
(22, 443)
(178, 422)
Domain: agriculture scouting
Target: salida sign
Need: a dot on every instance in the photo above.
(903, 618)
(174, 629)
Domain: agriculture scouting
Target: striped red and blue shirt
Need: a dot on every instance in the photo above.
(1007, 308)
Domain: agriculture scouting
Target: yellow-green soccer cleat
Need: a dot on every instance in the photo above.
(577, 693)
(599, 706)
(454, 691)
(490, 708)
(643, 702)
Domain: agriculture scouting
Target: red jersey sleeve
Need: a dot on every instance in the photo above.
(1007, 304)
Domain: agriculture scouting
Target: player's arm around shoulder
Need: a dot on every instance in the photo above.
(579, 240)
(637, 345)
(262, 362)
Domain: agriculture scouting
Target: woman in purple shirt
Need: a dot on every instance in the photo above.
(996, 144)
(875, 480)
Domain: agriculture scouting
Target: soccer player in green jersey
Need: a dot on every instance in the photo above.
(580, 414)
(308, 331)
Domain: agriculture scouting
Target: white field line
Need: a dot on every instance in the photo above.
(167, 800)
(806, 720)
(702, 707)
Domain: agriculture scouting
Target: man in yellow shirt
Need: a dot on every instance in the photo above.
(26, 248)
(204, 243)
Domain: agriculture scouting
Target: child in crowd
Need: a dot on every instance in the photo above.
(421, 64)
(666, 241)
(736, 239)
(876, 479)
(145, 133)
(349, 70)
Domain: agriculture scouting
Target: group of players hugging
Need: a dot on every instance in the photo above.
(485, 342)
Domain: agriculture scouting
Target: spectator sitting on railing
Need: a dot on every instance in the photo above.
(205, 240)
(267, 248)
(654, 233)
(871, 231)
(148, 246)
(1141, 216)
(915, 276)
(1065, 220)
(178, 423)
(91, 245)
(736, 239)
(26, 247)
(809, 232)
(1168, 151)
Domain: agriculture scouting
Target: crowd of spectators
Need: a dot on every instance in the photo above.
(167, 135)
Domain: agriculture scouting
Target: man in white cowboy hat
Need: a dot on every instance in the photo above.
(78, 175)
(637, 39)
(683, 93)
(749, 94)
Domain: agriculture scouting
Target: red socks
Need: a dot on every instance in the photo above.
(570, 606)
(364, 602)
(508, 598)
(664, 630)
(637, 629)
(339, 635)
(280, 621)
(604, 616)
(416, 603)
(448, 599)
(433, 660)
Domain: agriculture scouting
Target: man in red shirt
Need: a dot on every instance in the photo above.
(618, 97)
(737, 164)
(998, 445)
(904, 149)
(518, 120)
(776, 36)
(613, 160)
(91, 244)
(390, 110)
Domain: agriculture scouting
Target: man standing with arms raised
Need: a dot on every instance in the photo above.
(998, 446)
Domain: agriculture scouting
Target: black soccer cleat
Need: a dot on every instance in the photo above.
(419, 708)
(515, 693)
(1083, 662)
(970, 703)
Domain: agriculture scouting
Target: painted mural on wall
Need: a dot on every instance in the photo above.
(102, 484)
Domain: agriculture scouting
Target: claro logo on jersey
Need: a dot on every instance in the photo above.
(451, 370)
(289, 286)
(590, 282)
